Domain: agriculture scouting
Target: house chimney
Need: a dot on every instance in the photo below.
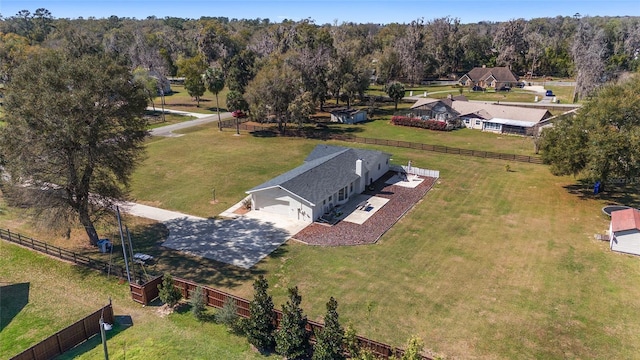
(484, 66)
(359, 171)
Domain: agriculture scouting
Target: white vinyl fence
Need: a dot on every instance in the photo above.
(416, 171)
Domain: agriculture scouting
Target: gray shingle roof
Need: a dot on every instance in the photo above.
(501, 74)
(325, 171)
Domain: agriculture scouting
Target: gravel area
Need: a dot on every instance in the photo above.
(401, 199)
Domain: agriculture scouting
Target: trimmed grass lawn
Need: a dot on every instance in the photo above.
(169, 118)
(490, 264)
(63, 294)
(180, 100)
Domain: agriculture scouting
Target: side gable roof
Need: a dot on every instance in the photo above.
(500, 73)
(325, 171)
(628, 219)
(488, 111)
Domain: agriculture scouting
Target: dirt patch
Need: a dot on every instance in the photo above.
(241, 210)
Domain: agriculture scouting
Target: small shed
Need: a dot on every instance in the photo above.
(624, 231)
(348, 116)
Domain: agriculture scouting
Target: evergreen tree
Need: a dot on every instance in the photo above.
(261, 325)
(292, 339)
(198, 303)
(330, 339)
(169, 294)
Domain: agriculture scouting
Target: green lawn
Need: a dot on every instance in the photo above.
(180, 100)
(155, 118)
(63, 294)
(490, 264)
(478, 269)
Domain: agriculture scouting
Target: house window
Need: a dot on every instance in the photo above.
(378, 166)
(466, 121)
(478, 122)
(330, 198)
(341, 194)
(351, 188)
(492, 126)
(324, 202)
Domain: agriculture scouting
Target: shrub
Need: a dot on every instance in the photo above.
(329, 340)
(169, 294)
(259, 327)
(351, 341)
(198, 303)
(228, 316)
(292, 339)
(414, 348)
(419, 123)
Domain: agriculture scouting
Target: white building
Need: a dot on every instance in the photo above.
(330, 176)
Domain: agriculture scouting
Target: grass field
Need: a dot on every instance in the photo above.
(63, 294)
(478, 269)
(490, 264)
(180, 100)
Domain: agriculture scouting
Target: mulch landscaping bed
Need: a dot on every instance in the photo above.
(401, 199)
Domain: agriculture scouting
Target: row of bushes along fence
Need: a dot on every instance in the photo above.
(68, 337)
(143, 293)
(76, 258)
(326, 135)
(149, 291)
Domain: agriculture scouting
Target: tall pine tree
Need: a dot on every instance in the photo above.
(330, 339)
(292, 339)
(260, 326)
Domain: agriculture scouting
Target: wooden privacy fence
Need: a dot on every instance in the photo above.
(69, 337)
(326, 135)
(64, 254)
(147, 292)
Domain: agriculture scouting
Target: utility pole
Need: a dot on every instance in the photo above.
(124, 250)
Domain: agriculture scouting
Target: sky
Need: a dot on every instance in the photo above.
(328, 11)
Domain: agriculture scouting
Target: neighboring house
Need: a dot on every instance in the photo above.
(495, 77)
(330, 176)
(500, 118)
(348, 116)
(624, 231)
(435, 109)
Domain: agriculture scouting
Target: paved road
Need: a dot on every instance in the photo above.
(168, 130)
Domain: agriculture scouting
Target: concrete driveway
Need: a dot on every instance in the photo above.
(242, 241)
(168, 130)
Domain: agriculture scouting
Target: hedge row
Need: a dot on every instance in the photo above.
(419, 123)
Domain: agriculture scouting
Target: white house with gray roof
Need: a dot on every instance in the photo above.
(330, 176)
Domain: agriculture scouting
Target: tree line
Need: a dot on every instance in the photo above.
(338, 60)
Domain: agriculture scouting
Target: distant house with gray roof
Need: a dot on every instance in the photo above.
(483, 116)
(330, 176)
(494, 77)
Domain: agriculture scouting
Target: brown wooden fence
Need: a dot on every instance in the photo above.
(147, 292)
(325, 135)
(64, 254)
(68, 337)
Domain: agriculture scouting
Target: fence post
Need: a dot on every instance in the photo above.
(9, 233)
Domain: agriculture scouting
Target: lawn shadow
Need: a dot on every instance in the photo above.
(13, 298)
(122, 323)
(614, 194)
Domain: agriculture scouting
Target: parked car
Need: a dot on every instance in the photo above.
(477, 88)
(520, 84)
(548, 93)
(505, 88)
